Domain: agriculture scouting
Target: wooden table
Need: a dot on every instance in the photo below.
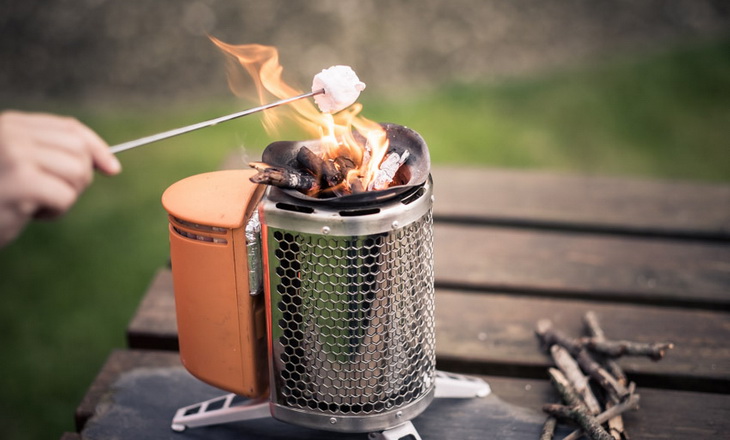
(652, 259)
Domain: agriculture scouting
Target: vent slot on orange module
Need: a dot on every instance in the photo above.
(202, 232)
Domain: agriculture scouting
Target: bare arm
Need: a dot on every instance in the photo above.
(46, 161)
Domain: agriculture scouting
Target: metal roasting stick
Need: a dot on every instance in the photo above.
(182, 130)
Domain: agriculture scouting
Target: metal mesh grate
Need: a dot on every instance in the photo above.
(352, 319)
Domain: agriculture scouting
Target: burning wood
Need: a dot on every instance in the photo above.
(323, 170)
(283, 177)
(344, 165)
(320, 177)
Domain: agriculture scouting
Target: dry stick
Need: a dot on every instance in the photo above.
(549, 335)
(570, 368)
(600, 375)
(616, 427)
(629, 404)
(596, 331)
(588, 423)
(548, 428)
(578, 409)
(569, 394)
(654, 351)
(615, 424)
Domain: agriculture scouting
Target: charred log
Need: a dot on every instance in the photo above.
(344, 165)
(324, 170)
(283, 177)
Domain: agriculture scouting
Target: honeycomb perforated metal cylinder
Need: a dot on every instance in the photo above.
(350, 298)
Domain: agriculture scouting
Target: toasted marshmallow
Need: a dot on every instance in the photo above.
(341, 88)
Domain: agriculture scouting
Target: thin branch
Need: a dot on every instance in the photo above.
(569, 395)
(548, 428)
(575, 376)
(631, 403)
(653, 350)
(549, 336)
(615, 424)
(588, 423)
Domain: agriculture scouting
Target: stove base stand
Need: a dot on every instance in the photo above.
(405, 431)
(459, 386)
(226, 409)
(219, 410)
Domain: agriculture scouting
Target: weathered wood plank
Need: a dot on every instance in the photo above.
(589, 266)
(607, 204)
(153, 325)
(118, 362)
(494, 334)
(512, 411)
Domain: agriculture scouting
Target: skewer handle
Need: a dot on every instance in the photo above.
(182, 130)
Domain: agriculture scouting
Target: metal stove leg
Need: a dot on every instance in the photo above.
(452, 385)
(405, 431)
(220, 410)
(448, 385)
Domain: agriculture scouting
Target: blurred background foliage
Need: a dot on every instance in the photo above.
(601, 87)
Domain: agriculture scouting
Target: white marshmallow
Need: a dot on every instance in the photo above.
(341, 88)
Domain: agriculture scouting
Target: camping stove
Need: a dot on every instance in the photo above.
(348, 305)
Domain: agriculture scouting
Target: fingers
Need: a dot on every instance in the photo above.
(30, 189)
(58, 132)
(95, 146)
(103, 159)
(53, 196)
(46, 161)
(74, 169)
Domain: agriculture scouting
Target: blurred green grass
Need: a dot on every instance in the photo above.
(68, 288)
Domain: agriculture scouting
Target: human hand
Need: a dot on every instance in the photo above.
(46, 162)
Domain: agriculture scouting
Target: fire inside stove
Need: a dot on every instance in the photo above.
(315, 173)
(352, 155)
(302, 170)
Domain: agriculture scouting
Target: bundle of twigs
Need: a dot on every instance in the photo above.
(593, 387)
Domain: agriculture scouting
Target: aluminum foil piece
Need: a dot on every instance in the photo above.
(387, 170)
(253, 250)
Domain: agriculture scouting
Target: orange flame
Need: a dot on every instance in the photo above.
(335, 131)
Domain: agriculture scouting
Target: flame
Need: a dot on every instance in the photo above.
(335, 131)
